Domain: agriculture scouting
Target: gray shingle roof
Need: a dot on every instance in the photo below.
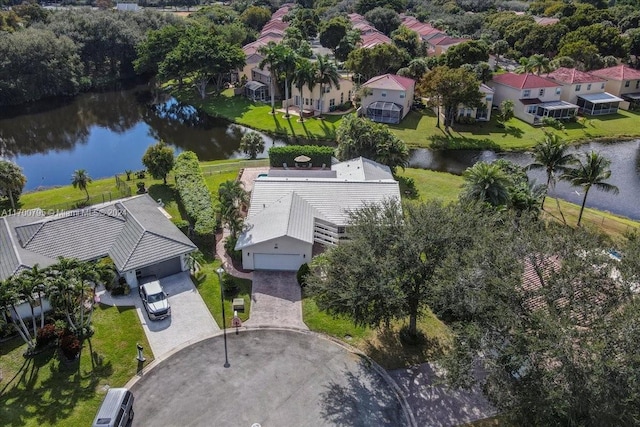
(134, 232)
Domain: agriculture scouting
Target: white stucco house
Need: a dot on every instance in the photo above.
(389, 99)
(534, 97)
(135, 233)
(293, 209)
(482, 114)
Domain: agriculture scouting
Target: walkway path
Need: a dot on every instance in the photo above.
(276, 300)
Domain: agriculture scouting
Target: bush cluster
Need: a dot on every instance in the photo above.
(302, 274)
(194, 193)
(70, 346)
(318, 154)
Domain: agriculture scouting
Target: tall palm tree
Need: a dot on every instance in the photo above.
(287, 66)
(326, 75)
(271, 57)
(486, 182)
(551, 155)
(12, 181)
(10, 297)
(305, 74)
(539, 63)
(36, 281)
(81, 179)
(592, 172)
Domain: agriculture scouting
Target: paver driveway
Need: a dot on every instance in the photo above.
(190, 319)
(276, 300)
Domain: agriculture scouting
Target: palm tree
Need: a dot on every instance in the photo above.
(287, 66)
(81, 179)
(36, 281)
(232, 196)
(271, 58)
(485, 182)
(551, 155)
(539, 64)
(12, 180)
(326, 75)
(593, 172)
(10, 297)
(252, 143)
(305, 75)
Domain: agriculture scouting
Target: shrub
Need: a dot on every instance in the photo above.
(122, 288)
(70, 346)
(229, 285)
(319, 154)
(554, 123)
(141, 174)
(302, 274)
(46, 335)
(230, 248)
(194, 194)
(141, 188)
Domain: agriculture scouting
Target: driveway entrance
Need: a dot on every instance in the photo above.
(276, 300)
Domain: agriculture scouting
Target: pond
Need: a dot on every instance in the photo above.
(107, 133)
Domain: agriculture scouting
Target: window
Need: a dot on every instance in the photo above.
(327, 89)
(489, 98)
(541, 92)
(306, 101)
(341, 230)
(297, 100)
(332, 102)
(578, 87)
(531, 109)
(526, 93)
(589, 86)
(602, 86)
(318, 105)
(341, 97)
(637, 84)
(383, 94)
(558, 90)
(402, 94)
(627, 83)
(349, 95)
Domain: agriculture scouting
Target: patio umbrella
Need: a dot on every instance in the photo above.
(302, 159)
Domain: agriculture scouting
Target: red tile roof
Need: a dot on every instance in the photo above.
(571, 75)
(523, 81)
(545, 21)
(619, 72)
(390, 81)
(374, 39)
(446, 41)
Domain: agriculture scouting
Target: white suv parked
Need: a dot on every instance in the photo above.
(154, 298)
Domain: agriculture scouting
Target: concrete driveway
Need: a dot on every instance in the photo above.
(190, 319)
(276, 378)
(276, 300)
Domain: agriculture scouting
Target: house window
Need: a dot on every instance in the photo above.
(602, 86)
(349, 95)
(383, 94)
(589, 86)
(341, 230)
(558, 90)
(297, 100)
(306, 101)
(341, 97)
(531, 109)
(327, 89)
(318, 105)
(578, 87)
(541, 92)
(526, 93)
(489, 98)
(637, 84)
(627, 83)
(332, 102)
(402, 94)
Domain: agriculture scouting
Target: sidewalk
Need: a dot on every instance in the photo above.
(227, 264)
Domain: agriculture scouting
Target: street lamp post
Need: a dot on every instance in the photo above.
(220, 270)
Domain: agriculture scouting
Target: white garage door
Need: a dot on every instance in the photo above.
(276, 262)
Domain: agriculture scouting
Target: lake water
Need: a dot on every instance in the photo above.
(107, 133)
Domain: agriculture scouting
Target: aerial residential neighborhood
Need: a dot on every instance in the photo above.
(335, 213)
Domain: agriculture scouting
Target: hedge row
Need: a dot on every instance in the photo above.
(318, 154)
(194, 193)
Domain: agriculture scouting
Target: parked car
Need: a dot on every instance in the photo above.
(116, 409)
(154, 298)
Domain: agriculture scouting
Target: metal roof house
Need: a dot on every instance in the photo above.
(134, 232)
(293, 209)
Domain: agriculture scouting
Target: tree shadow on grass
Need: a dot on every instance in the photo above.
(362, 398)
(386, 348)
(293, 132)
(279, 128)
(450, 142)
(513, 131)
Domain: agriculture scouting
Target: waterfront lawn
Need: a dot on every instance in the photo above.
(257, 115)
(433, 185)
(419, 129)
(43, 391)
(209, 289)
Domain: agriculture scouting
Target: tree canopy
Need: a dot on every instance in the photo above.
(158, 159)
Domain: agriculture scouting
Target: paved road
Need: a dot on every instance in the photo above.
(276, 378)
(190, 319)
(276, 300)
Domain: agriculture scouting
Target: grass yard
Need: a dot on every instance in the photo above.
(382, 345)
(209, 289)
(418, 129)
(432, 185)
(42, 391)
(257, 115)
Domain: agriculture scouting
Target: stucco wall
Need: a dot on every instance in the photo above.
(390, 96)
(285, 246)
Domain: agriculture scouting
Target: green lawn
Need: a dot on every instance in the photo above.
(257, 115)
(42, 391)
(209, 289)
(433, 185)
(418, 129)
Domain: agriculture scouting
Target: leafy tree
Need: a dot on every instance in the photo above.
(506, 111)
(485, 183)
(347, 44)
(385, 20)
(364, 6)
(307, 21)
(389, 266)
(416, 69)
(450, 88)
(381, 59)
(551, 154)
(215, 14)
(582, 51)
(499, 47)
(408, 40)
(470, 52)
(605, 38)
(333, 31)
(305, 74)
(251, 144)
(255, 17)
(563, 61)
(81, 180)
(483, 71)
(12, 181)
(31, 12)
(326, 75)
(358, 136)
(296, 41)
(633, 40)
(155, 48)
(158, 159)
(592, 172)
